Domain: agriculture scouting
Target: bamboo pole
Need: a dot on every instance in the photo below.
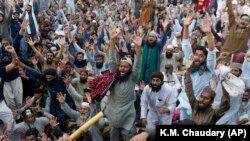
(84, 128)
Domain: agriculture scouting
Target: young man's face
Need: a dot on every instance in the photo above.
(156, 82)
(152, 39)
(244, 21)
(199, 57)
(30, 119)
(246, 97)
(205, 100)
(124, 68)
(50, 57)
(236, 72)
(31, 138)
(84, 109)
(79, 57)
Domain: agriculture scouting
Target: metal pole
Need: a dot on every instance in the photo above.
(84, 128)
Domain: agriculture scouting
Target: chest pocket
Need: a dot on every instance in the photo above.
(160, 102)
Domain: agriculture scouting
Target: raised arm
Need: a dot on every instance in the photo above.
(187, 22)
(189, 85)
(37, 53)
(14, 56)
(112, 57)
(224, 105)
(165, 26)
(230, 13)
(65, 107)
(137, 40)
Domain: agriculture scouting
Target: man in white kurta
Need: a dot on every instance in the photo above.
(159, 100)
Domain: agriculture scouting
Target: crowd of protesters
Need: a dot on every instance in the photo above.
(141, 62)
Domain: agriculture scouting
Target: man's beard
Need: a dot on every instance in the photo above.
(99, 65)
(123, 78)
(83, 80)
(201, 108)
(80, 64)
(51, 83)
(198, 67)
(169, 55)
(155, 89)
(151, 44)
(244, 103)
(49, 62)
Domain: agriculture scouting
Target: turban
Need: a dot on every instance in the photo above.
(157, 75)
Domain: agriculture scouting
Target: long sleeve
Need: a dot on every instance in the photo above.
(90, 59)
(144, 103)
(74, 93)
(112, 61)
(34, 73)
(136, 67)
(189, 89)
(230, 13)
(70, 112)
(187, 49)
(78, 49)
(211, 60)
(224, 105)
(12, 126)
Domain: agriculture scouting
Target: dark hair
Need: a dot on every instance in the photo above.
(70, 64)
(247, 90)
(99, 55)
(8, 40)
(50, 71)
(31, 131)
(242, 15)
(24, 113)
(39, 91)
(201, 48)
(79, 53)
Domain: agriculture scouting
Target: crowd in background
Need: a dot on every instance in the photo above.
(141, 62)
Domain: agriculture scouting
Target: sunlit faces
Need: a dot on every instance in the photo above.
(124, 68)
(199, 57)
(244, 21)
(49, 57)
(152, 39)
(246, 97)
(236, 72)
(84, 109)
(30, 118)
(205, 100)
(156, 82)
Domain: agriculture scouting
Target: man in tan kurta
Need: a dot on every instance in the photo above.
(239, 32)
(147, 10)
(202, 111)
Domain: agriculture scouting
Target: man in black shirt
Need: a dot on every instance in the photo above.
(5, 112)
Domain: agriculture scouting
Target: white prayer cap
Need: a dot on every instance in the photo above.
(170, 46)
(53, 49)
(126, 59)
(85, 104)
(94, 21)
(153, 33)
